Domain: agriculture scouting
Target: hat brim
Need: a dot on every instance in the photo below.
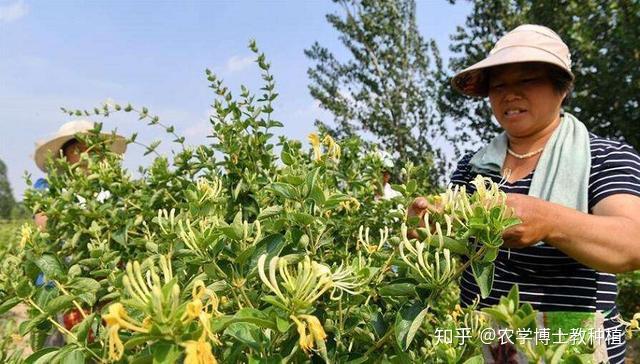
(53, 146)
(472, 81)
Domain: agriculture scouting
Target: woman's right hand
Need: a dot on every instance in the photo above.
(41, 221)
(418, 208)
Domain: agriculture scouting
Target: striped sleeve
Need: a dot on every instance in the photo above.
(615, 169)
(461, 175)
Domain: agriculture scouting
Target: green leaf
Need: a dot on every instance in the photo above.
(255, 317)
(286, 158)
(271, 245)
(490, 254)
(248, 315)
(50, 265)
(58, 304)
(42, 356)
(84, 284)
(478, 359)
(408, 321)
(247, 333)
(282, 324)
(165, 352)
(24, 289)
(483, 273)
(28, 325)
(75, 356)
(276, 359)
(312, 179)
(557, 355)
(514, 295)
(273, 301)
(454, 246)
(512, 221)
(411, 187)
(231, 232)
(85, 289)
(292, 180)
(137, 340)
(398, 289)
(9, 304)
(334, 200)
(283, 190)
(237, 190)
(269, 211)
(82, 329)
(497, 314)
(302, 218)
(317, 194)
(377, 323)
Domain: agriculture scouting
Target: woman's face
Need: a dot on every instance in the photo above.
(73, 150)
(523, 99)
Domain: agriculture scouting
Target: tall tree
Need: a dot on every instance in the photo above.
(388, 88)
(6, 196)
(603, 39)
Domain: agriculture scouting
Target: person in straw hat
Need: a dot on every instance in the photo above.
(64, 144)
(577, 194)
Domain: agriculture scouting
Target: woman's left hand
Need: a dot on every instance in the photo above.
(534, 214)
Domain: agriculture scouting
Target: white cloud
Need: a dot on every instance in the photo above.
(13, 12)
(237, 63)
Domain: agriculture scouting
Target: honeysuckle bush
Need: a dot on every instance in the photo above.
(233, 252)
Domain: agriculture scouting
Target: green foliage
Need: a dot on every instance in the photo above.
(602, 38)
(7, 203)
(228, 251)
(389, 86)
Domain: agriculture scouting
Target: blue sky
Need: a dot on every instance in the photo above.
(153, 53)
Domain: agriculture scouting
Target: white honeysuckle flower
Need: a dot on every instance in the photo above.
(210, 189)
(388, 192)
(433, 270)
(103, 196)
(299, 286)
(82, 202)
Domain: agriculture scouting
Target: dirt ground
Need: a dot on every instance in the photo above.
(17, 315)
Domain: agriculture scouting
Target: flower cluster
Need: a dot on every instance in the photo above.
(333, 148)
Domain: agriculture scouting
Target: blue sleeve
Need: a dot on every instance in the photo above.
(41, 184)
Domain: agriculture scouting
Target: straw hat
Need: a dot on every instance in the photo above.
(66, 133)
(526, 43)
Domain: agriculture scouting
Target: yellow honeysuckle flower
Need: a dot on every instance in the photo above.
(314, 139)
(198, 352)
(457, 312)
(117, 316)
(351, 204)
(196, 309)
(315, 327)
(315, 337)
(116, 348)
(333, 148)
(210, 189)
(147, 322)
(25, 235)
(306, 340)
